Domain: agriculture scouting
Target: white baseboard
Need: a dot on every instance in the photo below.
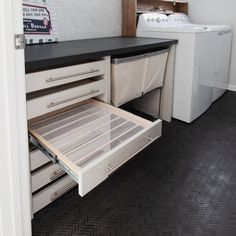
(232, 88)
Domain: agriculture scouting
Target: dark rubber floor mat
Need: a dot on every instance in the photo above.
(183, 184)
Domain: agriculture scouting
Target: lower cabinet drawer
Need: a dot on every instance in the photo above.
(54, 101)
(90, 148)
(45, 176)
(53, 192)
(37, 159)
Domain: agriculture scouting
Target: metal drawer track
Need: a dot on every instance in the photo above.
(52, 157)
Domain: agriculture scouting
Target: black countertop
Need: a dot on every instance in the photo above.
(48, 56)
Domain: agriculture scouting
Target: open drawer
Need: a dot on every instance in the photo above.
(91, 140)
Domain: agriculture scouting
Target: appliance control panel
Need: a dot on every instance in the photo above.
(179, 18)
(154, 19)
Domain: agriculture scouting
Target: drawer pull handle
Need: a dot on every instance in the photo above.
(53, 79)
(59, 193)
(57, 174)
(113, 169)
(53, 104)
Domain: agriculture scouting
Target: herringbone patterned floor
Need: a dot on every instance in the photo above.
(183, 184)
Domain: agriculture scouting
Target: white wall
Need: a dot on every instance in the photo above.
(79, 19)
(217, 12)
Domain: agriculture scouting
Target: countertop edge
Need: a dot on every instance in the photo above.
(32, 66)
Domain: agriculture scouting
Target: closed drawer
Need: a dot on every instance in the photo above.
(91, 148)
(54, 101)
(37, 159)
(45, 176)
(51, 78)
(52, 193)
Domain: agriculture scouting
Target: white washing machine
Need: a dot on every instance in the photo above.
(223, 51)
(195, 62)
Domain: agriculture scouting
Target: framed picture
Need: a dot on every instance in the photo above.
(39, 22)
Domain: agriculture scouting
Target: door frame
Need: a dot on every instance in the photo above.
(15, 197)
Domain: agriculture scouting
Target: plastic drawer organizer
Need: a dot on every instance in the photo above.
(91, 139)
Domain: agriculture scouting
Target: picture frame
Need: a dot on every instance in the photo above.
(39, 20)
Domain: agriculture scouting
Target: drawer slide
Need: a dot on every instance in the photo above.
(52, 157)
(92, 140)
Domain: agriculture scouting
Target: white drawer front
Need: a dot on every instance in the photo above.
(90, 148)
(45, 176)
(51, 78)
(100, 169)
(53, 192)
(37, 159)
(55, 101)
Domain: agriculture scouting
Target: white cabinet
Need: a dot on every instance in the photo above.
(86, 138)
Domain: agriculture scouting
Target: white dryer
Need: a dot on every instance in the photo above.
(195, 62)
(223, 50)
